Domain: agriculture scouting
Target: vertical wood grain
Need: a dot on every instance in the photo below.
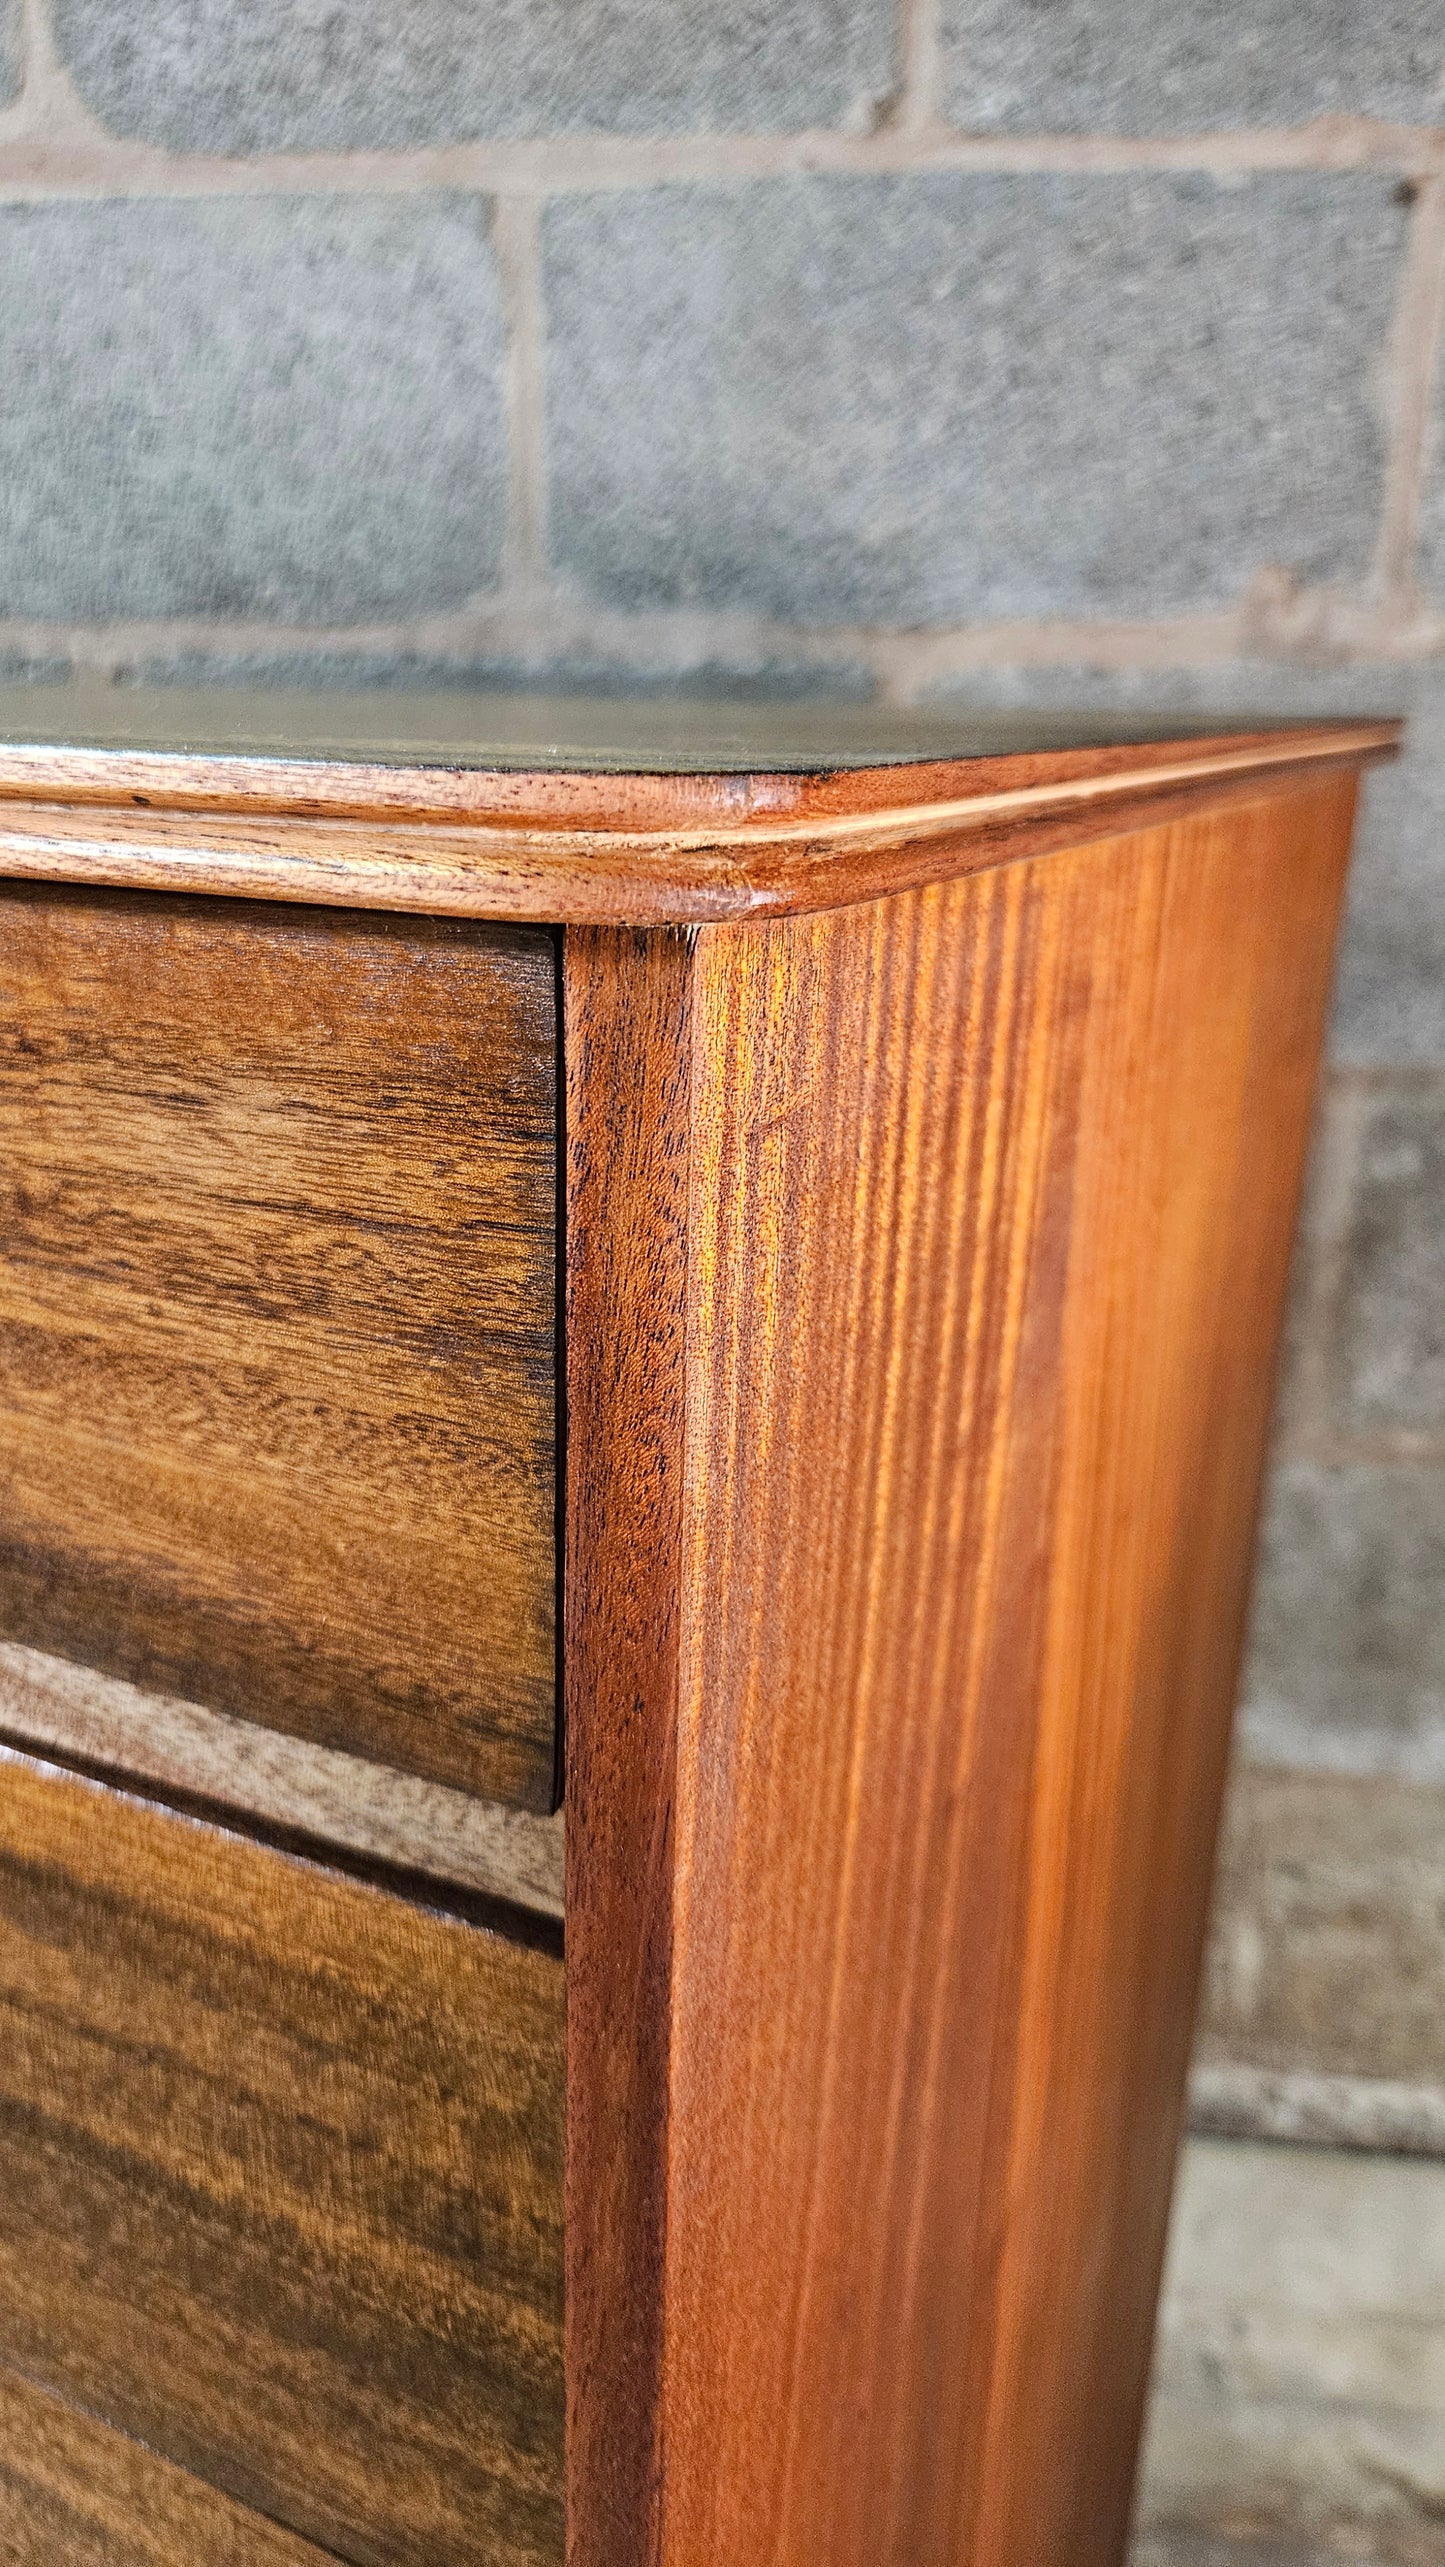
(990, 1193)
(1215, 984)
(627, 1001)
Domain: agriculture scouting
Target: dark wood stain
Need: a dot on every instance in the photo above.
(282, 2179)
(277, 1254)
(904, 1791)
(75, 2493)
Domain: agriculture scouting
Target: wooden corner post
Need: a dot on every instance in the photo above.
(926, 1263)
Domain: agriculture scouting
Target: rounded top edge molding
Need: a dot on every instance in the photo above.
(407, 818)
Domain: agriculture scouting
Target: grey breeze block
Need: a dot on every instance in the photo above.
(1091, 66)
(1387, 1355)
(279, 406)
(1430, 563)
(275, 75)
(915, 400)
(1346, 1667)
(10, 44)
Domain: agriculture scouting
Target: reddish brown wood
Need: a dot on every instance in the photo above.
(467, 830)
(912, 1501)
(613, 764)
(924, 1263)
(627, 1003)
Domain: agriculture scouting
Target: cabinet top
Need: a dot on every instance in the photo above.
(603, 809)
(489, 734)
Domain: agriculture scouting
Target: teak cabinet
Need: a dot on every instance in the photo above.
(724, 1270)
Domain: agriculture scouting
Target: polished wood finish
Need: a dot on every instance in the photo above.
(935, 1094)
(240, 1771)
(923, 1301)
(586, 814)
(282, 2171)
(277, 1318)
(629, 1124)
(74, 2493)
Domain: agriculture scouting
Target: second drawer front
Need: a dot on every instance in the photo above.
(281, 2179)
(277, 1319)
(75, 2493)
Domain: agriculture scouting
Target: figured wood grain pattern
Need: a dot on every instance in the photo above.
(990, 1192)
(462, 829)
(75, 2493)
(277, 1319)
(282, 2179)
(238, 1769)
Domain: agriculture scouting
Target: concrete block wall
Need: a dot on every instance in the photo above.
(873, 345)
(1299, 2396)
(1068, 352)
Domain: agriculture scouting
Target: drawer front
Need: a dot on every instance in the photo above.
(281, 2179)
(277, 1319)
(75, 2493)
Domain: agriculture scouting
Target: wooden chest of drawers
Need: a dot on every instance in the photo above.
(915, 1124)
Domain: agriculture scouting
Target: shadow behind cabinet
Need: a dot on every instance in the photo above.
(740, 1271)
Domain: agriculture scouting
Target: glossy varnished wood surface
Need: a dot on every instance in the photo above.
(640, 813)
(75, 2493)
(990, 1190)
(627, 1017)
(277, 1318)
(282, 2170)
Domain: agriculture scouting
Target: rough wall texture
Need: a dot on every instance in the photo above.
(1299, 2391)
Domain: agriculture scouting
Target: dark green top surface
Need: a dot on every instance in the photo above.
(617, 735)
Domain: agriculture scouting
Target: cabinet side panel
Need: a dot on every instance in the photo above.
(992, 1188)
(1179, 1260)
